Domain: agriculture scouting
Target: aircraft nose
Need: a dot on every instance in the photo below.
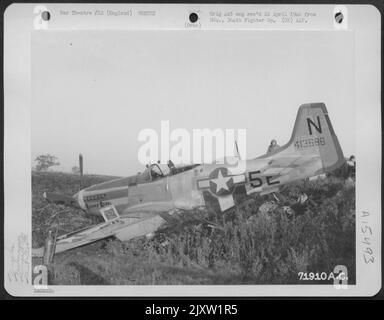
(79, 197)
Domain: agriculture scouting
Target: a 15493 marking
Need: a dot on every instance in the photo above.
(367, 238)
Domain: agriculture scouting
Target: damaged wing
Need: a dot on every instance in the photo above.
(124, 228)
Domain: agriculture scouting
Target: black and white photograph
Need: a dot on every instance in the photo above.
(210, 146)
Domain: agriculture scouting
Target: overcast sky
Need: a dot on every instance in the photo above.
(92, 92)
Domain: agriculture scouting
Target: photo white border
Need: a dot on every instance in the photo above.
(363, 20)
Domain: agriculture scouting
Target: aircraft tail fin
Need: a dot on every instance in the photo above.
(313, 135)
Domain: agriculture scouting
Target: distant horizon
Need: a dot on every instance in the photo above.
(51, 170)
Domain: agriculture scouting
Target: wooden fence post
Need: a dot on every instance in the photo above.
(81, 170)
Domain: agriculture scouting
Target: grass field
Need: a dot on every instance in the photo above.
(254, 243)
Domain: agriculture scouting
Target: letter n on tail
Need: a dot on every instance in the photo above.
(311, 123)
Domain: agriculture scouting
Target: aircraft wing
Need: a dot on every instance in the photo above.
(149, 207)
(124, 228)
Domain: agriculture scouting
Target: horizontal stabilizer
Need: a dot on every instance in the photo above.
(62, 199)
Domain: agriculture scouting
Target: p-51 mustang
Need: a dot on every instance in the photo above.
(139, 205)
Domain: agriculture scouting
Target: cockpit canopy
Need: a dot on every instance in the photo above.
(154, 172)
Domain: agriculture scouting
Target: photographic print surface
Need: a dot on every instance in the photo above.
(95, 93)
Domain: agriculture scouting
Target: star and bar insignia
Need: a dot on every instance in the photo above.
(221, 185)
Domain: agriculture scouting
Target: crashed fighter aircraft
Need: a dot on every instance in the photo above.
(138, 205)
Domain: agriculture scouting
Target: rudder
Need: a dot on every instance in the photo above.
(313, 135)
